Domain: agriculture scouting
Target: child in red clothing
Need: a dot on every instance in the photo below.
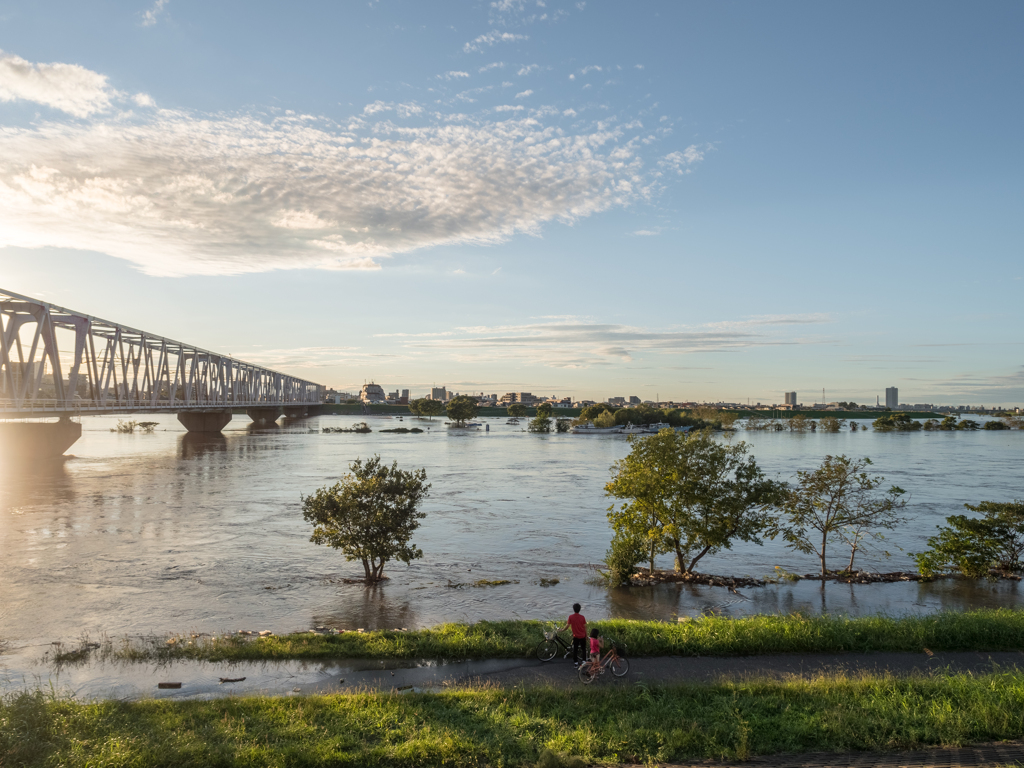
(578, 623)
(595, 645)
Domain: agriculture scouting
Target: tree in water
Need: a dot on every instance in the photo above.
(462, 408)
(975, 546)
(370, 514)
(542, 421)
(838, 501)
(691, 495)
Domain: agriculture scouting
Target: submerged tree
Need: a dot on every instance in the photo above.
(427, 407)
(838, 500)
(516, 410)
(370, 515)
(974, 546)
(542, 421)
(689, 494)
(462, 408)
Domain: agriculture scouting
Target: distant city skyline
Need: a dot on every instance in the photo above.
(702, 201)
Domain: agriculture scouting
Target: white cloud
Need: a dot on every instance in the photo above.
(143, 100)
(569, 113)
(492, 65)
(680, 161)
(638, 66)
(528, 69)
(68, 87)
(646, 232)
(509, 108)
(490, 39)
(402, 110)
(454, 74)
(179, 193)
(149, 18)
(590, 68)
(524, 94)
(579, 343)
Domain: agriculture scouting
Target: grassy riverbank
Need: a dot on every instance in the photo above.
(982, 630)
(475, 727)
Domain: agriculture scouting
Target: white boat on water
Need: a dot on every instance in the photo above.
(590, 429)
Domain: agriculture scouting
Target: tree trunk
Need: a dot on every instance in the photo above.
(366, 568)
(698, 557)
(680, 565)
(853, 553)
(824, 544)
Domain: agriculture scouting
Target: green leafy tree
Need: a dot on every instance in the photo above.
(975, 545)
(627, 549)
(968, 424)
(605, 420)
(462, 408)
(414, 407)
(370, 514)
(591, 412)
(838, 501)
(430, 408)
(897, 422)
(831, 424)
(689, 494)
(563, 425)
(542, 421)
(988, 425)
(948, 423)
(516, 410)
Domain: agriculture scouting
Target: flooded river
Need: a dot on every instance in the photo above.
(169, 532)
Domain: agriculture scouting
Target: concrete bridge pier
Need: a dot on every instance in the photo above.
(296, 411)
(210, 422)
(20, 440)
(264, 414)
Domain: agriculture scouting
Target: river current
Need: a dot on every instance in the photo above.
(169, 532)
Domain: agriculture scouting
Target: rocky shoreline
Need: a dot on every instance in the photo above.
(643, 577)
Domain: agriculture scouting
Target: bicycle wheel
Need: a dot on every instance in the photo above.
(619, 666)
(587, 672)
(546, 650)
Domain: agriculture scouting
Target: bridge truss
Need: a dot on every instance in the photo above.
(55, 361)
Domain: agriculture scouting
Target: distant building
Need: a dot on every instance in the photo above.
(791, 398)
(892, 397)
(526, 398)
(616, 401)
(372, 393)
(439, 393)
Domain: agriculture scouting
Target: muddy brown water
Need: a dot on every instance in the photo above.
(168, 532)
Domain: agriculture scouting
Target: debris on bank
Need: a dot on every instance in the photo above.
(642, 577)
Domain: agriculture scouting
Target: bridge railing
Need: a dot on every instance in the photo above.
(114, 368)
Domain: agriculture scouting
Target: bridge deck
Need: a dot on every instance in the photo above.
(55, 361)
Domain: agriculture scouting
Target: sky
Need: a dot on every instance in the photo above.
(709, 201)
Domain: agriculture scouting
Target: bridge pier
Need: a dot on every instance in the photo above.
(264, 414)
(31, 440)
(296, 411)
(211, 422)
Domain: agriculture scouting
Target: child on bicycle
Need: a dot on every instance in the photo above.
(578, 623)
(595, 645)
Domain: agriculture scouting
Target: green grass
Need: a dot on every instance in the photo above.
(981, 630)
(494, 727)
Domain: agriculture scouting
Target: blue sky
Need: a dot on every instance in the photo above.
(687, 200)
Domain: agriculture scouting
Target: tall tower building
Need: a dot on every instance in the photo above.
(791, 398)
(892, 398)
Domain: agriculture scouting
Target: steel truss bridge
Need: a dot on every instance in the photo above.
(58, 362)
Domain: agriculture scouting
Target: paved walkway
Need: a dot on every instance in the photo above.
(1003, 754)
(679, 669)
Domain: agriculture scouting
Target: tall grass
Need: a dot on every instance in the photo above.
(982, 630)
(489, 726)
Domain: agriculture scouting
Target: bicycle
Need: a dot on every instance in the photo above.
(547, 648)
(618, 664)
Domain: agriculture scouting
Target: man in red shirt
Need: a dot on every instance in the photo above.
(578, 623)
